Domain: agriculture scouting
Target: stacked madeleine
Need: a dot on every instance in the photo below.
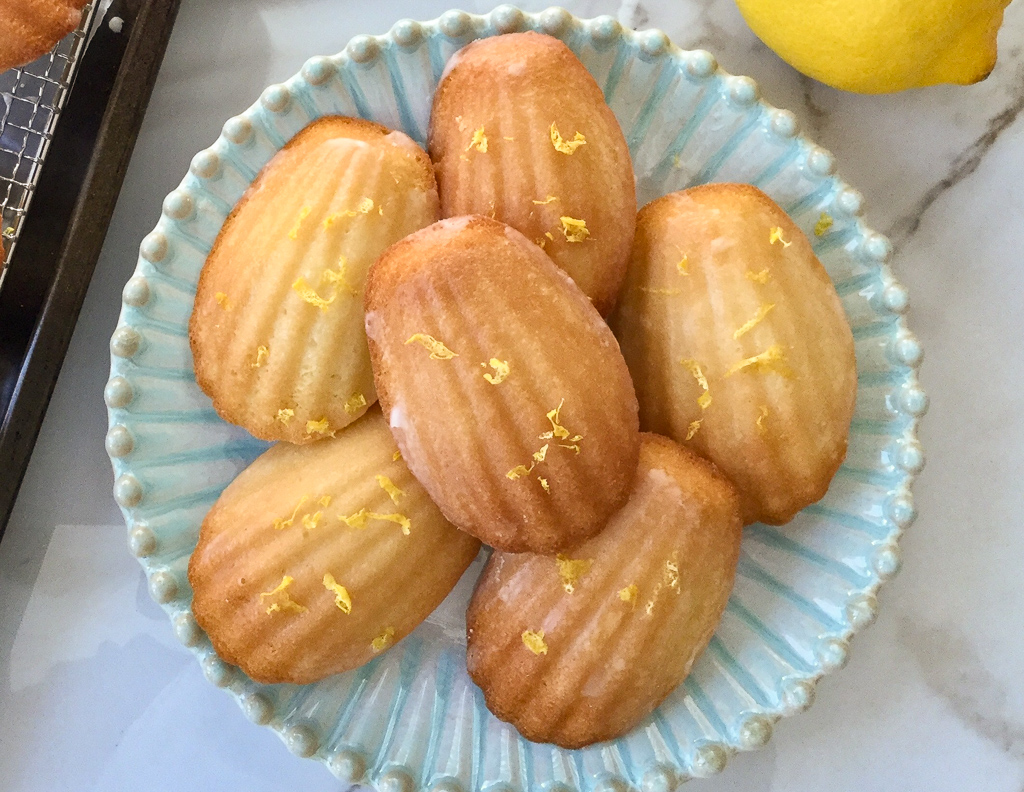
(467, 291)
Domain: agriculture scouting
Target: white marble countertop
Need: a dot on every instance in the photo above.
(95, 693)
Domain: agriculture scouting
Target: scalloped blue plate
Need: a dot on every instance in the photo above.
(412, 718)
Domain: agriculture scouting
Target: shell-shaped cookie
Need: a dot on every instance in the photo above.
(738, 344)
(520, 132)
(29, 28)
(581, 647)
(504, 388)
(318, 558)
(277, 330)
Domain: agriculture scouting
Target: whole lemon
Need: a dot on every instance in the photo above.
(880, 46)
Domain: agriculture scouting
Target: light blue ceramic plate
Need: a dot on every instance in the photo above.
(412, 719)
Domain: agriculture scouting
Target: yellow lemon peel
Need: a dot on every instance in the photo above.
(629, 594)
(438, 351)
(546, 201)
(396, 456)
(501, 370)
(755, 320)
(759, 277)
(362, 517)
(355, 403)
(772, 359)
(698, 374)
(775, 235)
(519, 471)
(283, 602)
(672, 572)
(284, 415)
(693, 428)
(823, 225)
(338, 277)
(223, 301)
(309, 295)
(325, 500)
(479, 141)
(341, 596)
(534, 641)
(389, 487)
(282, 522)
(311, 521)
(261, 356)
(321, 427)
(539, 455)
(570, 570)
(574, 230)
(563, 145)
(762, 415)
(544, 484)
(382, 641)
(683, 265)
(303, 214)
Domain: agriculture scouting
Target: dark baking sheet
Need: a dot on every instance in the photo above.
(64, 229)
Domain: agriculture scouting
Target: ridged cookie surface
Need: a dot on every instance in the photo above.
(318, 558)
(520, 132)
(30, 28)
(277, 330)
(580, 648)
(504, 388)
(738, 344)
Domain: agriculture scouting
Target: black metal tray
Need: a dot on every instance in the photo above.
(78, 171)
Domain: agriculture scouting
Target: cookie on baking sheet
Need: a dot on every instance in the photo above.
(318, 558)
(738, 344)
(520, 132)
(277, 330)
(503, 386)
(579, 648)
(30, 28)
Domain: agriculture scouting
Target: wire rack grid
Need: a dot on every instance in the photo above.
(31, 100)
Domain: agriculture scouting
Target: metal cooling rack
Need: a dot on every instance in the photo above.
(31, 100)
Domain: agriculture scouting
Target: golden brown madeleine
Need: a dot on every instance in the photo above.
(520, 132)
(30, 28)
(504, 388)
(277, 330)
(580, 648)
(317, 558)
(738, 344)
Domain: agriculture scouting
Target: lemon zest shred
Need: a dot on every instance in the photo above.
(772, 359)
(539, 455)
(281, 522)
(683, 265)
(759, 277)
(549, 235)
(479, 141)
(544, 484)
(763, 414)
(519, 471)
(223, 301)
(303, 214)
(574, 230)
(309, 295)
(672, 572)
(438, 351)
(311, 521)
(382, 641)
(362, 517)
(546, 201)
(341, 596)
(823, 225)
(534, 641)
(338, 277)
(501, 371)
(563, 145)
(284, 601)
(284, 415)
(396, 456)
(355, 403)
(776, 236)
(756, 319)
(629, 594)
(693, 428)
(262, 353)
(321, 427)
(698, 374)
(570, 570)
(324, 500)
(389, 487)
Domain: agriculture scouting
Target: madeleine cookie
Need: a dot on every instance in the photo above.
(318, 558)
(580, 648)
(503, 386)
(738, 344)
(277, 330)
(30, 28)
(520, 132)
